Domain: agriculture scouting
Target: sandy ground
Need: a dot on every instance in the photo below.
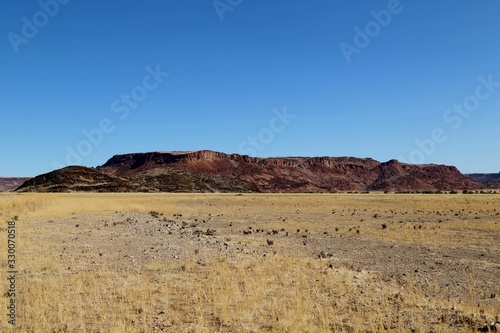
(447, 247)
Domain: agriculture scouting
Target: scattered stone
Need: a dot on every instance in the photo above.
(492, 327)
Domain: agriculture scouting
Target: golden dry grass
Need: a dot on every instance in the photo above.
(288, 291)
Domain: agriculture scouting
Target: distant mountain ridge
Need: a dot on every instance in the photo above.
(11, 183)
(485, 177)
(490, 180)
(211, 171)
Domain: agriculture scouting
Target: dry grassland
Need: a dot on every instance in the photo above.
(253, 263)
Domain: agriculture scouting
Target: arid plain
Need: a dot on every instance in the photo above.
(253, 262)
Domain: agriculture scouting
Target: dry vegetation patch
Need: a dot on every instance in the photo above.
(254, 263)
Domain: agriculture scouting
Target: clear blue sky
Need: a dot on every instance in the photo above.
(407, 86)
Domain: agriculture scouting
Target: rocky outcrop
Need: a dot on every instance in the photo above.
(210, 171)
(300, 174)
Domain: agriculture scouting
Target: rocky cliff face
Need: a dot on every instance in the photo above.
(299, 174)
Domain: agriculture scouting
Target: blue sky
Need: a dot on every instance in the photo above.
(417, 81)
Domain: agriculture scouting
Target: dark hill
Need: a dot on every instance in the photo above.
(78, 179)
